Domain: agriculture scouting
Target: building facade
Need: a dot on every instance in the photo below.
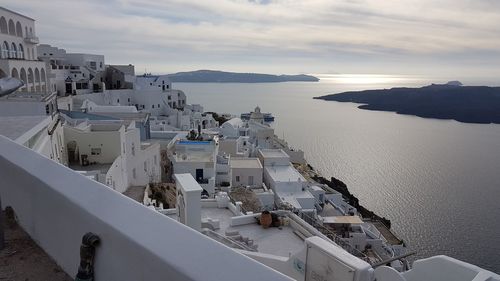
(18, 52)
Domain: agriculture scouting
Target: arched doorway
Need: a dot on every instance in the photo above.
(15, 73)
(37, 80)
(73, 153)
(31, 84)
(43, 79)
(24, 78)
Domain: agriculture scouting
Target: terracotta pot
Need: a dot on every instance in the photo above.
(266, 219)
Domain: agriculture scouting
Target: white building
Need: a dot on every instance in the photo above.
(289, 186)
(223, 174)
(197, 158)
(233, 128)
(246, 172)
(188, 200)
(120, 77)
(73, 73)
(236, 147)
(112, 153)
(146, 82)
(41, 133)
(18, 54)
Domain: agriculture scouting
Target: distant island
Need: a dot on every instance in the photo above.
(468, 104)
(214, 76)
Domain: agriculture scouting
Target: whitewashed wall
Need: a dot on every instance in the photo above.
(57, 206)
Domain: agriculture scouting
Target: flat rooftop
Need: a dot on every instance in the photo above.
(284, 174)
(187, 182)
(273, 153)
(105, 127)
(280, 241)
(298, 199)
(242, 163)
(15, 126)
(194, 156)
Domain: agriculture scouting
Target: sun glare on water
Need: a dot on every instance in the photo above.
(363, 78)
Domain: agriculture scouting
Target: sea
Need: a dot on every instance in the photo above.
(438, 181)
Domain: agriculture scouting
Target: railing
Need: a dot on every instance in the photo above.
(31, 39)
(335, 238)
(56, 207)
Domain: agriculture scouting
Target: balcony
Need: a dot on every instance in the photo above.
(31, 40)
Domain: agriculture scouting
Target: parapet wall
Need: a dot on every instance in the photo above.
(56, 207)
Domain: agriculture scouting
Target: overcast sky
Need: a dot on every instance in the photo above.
(430, 37)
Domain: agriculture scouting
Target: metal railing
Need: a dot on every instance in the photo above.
(335, 238)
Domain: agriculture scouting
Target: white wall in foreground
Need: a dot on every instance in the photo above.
(57, 206)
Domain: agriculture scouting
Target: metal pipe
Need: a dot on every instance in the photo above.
(87, 254)
(393, 259)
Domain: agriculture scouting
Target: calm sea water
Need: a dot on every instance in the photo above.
(437, 180)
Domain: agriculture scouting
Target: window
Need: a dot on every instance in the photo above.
(145, 166)
(237, 178)
(153, 106)
(133, 173)
(158, 105)
(133, 149)
(169, 97)
(95, 151)
(93, 65)
(250, 180)
(156, 158)
(118, 100)
(128, 99)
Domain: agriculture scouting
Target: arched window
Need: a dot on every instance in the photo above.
(20, 52)
(30, 77)
(19, 29)
(25, 31)
(3, 26)
(5, 50)
(31, 33)
(42, 74)
(37, 80)
(12, 28)
(15, 74)
(13, 51)
(24, 78)
(37, 75)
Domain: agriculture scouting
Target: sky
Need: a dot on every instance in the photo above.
(452, 38)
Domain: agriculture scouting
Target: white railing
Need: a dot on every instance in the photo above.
(57, 206)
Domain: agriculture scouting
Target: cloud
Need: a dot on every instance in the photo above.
(236, 33)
